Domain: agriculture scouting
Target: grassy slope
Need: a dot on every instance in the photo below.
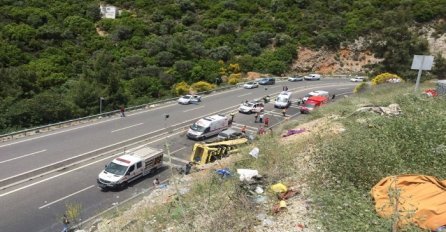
(340, 168)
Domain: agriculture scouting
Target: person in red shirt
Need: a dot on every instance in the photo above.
(266, 120)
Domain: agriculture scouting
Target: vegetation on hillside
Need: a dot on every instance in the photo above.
(57, 58)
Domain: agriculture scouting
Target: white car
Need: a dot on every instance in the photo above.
(313, 77)
(357, 79)
(251, 85)
(295, 78)
(251, 107)
(188, 99)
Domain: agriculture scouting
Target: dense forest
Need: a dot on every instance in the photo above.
(57, 58)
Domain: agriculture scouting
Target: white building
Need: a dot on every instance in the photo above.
(108, 11)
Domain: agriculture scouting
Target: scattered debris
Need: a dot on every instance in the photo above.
(430, 92)
(254, 152)
(391, 110)
(223, 172)
(279, 188)
(279, 207)
(291, 192)
(421, 200)
(294, 131)
(247, 174)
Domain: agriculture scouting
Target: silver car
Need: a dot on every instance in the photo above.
(295, 78)
(188, 99)
(251, 85)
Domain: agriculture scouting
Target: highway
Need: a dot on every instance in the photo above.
(38, 204)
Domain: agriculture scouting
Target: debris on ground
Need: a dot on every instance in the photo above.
(421, 200)
(430, 92)
(391, 110)
(254, 152)
(293, 132)
(223, 172)
(247, 174)
(279, 188)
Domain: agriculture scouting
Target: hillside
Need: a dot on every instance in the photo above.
(58, 58)
(333, 164)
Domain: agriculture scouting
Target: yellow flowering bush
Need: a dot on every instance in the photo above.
(202, 86)
(386, 77)
(181, 88)
(234, 79)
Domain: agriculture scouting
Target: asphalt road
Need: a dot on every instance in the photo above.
(37, 205)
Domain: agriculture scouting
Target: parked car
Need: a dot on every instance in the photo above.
(230, 134)
(251, 85)
(251, 107)
(357, 79)
(188, 99)
(267, 81)
(313, 77)
(295, 78)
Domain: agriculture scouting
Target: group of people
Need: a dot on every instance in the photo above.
(261, 118)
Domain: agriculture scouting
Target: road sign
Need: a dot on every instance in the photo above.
(421, 63)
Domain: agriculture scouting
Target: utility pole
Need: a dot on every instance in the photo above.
(173, 177)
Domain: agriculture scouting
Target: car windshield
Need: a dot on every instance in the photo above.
(248, 104)
(197, 127)
(186, 97)
(309, 105)
(250, 83)
(116, 169)
(281, 99)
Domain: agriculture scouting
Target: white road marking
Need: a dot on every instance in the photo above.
(343, 88)
(126, 127)
(246, 94)
(344, 93)
(241, 125)
(273, 87)
(193, 109)
(19, 157)
(44, 180)
(75, 169)
(65, 197)
(155, 108)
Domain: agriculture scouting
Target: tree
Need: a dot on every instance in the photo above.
(439, 69)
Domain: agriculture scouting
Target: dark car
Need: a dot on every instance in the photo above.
(267, 81)
(230, 134)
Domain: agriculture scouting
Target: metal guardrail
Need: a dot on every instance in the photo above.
(48, 127)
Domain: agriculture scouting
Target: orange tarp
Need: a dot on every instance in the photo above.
(421, 200)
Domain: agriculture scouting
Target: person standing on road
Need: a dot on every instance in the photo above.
(156, 182)
(230, 122)
(333, 97)
(284, 112)
(266, 121)
(261, 118)
(66, 223)
(256, 117)
(232, 116)
(122, 111)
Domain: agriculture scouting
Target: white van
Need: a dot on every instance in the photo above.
(207, 127)
(283, 100)
(316, 93)
(129, 167)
